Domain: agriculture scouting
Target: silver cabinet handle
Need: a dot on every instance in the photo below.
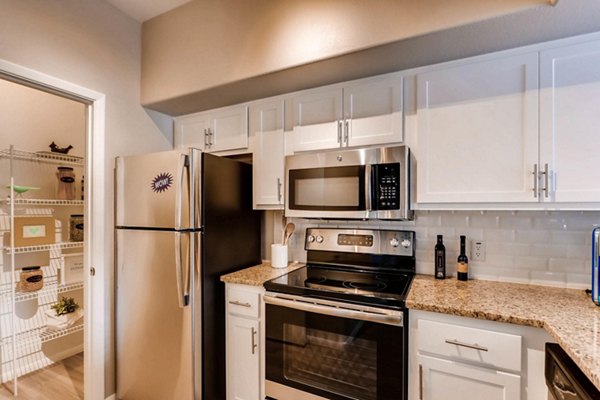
(254, 345)
(205, 137)
(239, 303)
(279, 189)
(346, 134)
(535, 180)
(420, 382)
(339, 133)
(470, 346)
(210, 137)
(546, 180)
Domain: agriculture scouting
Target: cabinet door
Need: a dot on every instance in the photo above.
(449, 380)
(243, 362)
(190, 131)
(373, 112)
(570, 121)
(478, 131)
(266, 121)
(229, 129)
(317, 119)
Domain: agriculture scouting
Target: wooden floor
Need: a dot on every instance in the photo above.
(60, 381)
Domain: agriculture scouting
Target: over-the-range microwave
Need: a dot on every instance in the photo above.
(370, 183)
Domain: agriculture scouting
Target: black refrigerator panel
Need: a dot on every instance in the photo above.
(230, 241)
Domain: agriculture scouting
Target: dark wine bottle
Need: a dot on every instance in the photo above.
(440, 258)
(462, 264)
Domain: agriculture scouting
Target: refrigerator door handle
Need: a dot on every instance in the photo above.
(183, 164)
(182, 274)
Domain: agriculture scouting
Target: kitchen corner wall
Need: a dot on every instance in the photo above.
(537, 247)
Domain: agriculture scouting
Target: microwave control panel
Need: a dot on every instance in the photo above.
(386, 178)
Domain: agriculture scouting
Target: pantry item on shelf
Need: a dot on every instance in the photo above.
(22, 189)
(62, 150)
(33, 231)
(76, 228)
(66, 183)
(31, 279)
(64, 314)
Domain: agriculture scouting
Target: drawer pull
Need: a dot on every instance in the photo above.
(239, 303)
(470, 346)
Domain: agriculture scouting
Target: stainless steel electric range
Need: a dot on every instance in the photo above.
(337, 328)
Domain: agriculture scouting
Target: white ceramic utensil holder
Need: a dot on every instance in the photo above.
(279, 255)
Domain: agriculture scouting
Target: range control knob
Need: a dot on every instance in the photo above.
(310, 239)
(405, 243)
(394, 242)
(319, 239)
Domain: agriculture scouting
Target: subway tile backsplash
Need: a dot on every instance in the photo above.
(540, 247)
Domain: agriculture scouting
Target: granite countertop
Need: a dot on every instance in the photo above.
(259, 274)
(568, 315)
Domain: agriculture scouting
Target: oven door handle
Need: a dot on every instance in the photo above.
(342, 310)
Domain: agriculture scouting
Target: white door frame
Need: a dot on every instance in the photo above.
(94, 224)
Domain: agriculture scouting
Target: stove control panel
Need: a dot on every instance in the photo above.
(399, 243)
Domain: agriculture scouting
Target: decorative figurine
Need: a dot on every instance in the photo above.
(63, 150)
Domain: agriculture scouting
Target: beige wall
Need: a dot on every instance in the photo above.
(91, 44)
(210, 43)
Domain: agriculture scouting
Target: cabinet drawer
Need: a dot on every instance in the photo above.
(500, 350)
(243, 302)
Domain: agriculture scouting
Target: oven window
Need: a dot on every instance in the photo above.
(337, 363)
(327, 189)
(334, 357)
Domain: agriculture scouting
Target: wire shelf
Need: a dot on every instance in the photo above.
(49, 288)
(44, 202)
(40, 335)
(43, 247)
(43, 157)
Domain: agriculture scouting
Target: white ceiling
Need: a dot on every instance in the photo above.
(142, 10)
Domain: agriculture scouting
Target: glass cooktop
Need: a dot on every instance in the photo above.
(357, 286)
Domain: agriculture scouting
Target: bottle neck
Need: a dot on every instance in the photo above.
(462, 247)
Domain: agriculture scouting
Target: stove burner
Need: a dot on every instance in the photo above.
(370, 286)
(314, 280)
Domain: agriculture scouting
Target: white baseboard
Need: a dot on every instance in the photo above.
(41, 362)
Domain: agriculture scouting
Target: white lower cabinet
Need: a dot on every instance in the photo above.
(459, 358)
(452, 380)
(245, 342)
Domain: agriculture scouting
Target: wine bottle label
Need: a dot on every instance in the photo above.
(462, 267)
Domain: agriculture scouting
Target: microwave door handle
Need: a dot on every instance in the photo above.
(368, 187)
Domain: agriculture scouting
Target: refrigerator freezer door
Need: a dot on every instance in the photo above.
(153, 190)
(154, 350)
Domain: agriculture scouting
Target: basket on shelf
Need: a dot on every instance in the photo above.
(31, 279)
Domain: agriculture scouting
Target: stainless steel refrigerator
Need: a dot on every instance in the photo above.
(183, 219)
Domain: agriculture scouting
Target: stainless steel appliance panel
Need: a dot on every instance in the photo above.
(361, 208)
(155, 190)
(153, 324)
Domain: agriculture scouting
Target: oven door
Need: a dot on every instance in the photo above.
(323, 349)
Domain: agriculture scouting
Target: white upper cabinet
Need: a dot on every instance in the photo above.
(373, 112)
(266, 122)
(570, 122)
(213, 131)
(361, 113)
(477, 131)
(317, 119)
